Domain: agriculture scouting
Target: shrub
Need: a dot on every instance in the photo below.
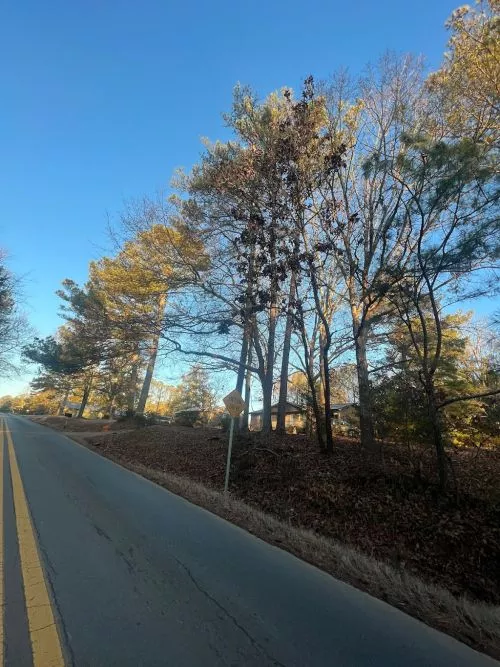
(186, 418)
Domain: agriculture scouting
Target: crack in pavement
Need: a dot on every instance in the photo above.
(101, 532)
(50, 625)
(240, 627)
(129, 562)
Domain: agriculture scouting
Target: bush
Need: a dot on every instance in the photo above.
(135, 420)
(140, 421)
(186, 418)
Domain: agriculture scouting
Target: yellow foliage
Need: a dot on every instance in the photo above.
(137, 280)
(467, 85)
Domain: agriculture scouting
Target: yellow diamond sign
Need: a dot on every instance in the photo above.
(234, 403)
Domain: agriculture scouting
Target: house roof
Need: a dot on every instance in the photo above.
(71, 405)
(341, 406)
(188, 410)
(291, 408)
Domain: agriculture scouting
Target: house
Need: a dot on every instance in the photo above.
(188, 416)
(72, 408)
(347, 412)
(296, 416)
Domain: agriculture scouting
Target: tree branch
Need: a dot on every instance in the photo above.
(469, 397)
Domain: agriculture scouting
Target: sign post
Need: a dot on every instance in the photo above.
(234, 404)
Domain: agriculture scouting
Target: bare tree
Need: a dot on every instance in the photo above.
(371, 229)
(14, 329)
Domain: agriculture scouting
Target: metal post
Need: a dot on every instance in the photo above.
(229, 449)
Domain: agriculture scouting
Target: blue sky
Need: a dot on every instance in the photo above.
(101, 101)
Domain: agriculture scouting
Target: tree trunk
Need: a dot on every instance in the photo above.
(309, 361)
(146, 385)
(325, 341)
(327, 395)
(132, 386)
(283, 395)
(240, 379)
(62, 404)
(248, 387)
(247, 327)
(316, 409)
(365, 398)
(85, 397)
(267, 384)
(267, 395)
(439, 447)
(321, 371)
(109, 409)
(437, 432)
(245, 357)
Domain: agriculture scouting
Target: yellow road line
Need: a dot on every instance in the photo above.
(2, 651)
(45, 644)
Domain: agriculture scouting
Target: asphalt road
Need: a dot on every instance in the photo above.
(138, 576)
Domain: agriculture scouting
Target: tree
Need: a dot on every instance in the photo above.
(159, 398)
(466, 88)
(13, 326)
(111, 383)
(344, 383)
(134, 286)
(135, 299)
(362, 205)
(467, 365)
(6, 403)
(255, 192)
(242, 183)
(452, 201)
(55, 384)
(193, 391)
(100, 324)
(62, 360)
(36, 403)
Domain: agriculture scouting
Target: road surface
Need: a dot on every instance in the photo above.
(113, 570)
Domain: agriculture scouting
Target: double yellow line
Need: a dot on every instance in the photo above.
(45, 643)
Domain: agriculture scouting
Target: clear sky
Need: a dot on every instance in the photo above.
(102, 100)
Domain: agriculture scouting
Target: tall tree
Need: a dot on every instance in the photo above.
(364, 204)
(467, 366)
(62, 360)
(135, 301)
(154, 262)
(111, 383)
(13, 326)
(99, 323)
(159, 397)
(193, 391)
(453, 203)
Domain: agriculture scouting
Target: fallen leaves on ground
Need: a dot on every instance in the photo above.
(80, 425)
